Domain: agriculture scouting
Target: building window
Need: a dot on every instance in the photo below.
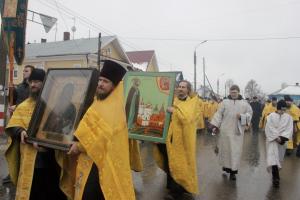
(15, 72)
(106, 52)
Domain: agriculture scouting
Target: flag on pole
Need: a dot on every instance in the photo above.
(48, 22)
(14, 28)
(10, 8)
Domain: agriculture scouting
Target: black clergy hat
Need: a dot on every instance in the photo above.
(287, 98)
(113, 71)
(281, 105)
(37, 74)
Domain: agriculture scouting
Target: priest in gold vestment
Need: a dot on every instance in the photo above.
(103, 167)
(33, 169)
(294, 111)
(178, 156)
(200, 121)
(268, 109)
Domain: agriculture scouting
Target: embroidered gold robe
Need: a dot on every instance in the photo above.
(103, 135)
(181, 145)
(212, 109)
(21, 157)
(294, 111)
(269, 108)
(200, 109)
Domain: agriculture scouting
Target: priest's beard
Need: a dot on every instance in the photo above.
(34, 95)
(103, 96)
(182, 97)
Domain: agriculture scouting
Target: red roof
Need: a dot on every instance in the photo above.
(140, 56)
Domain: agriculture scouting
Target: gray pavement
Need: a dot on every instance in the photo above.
(253, 181)
(6, 190)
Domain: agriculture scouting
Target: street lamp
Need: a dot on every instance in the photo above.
(195, 64)
(218, 83)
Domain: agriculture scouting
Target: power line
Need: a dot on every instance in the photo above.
(90, 24)
(215, 40)
(66, 25)
(101, 28)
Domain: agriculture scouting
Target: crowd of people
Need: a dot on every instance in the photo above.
(99, 162)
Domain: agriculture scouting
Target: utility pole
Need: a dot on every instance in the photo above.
(195, 71)
(3, 75)
(203, 77)
(99, 52)
(195, 64)
(218, 83)
(3, 99)
(3, 85)
(55, 32)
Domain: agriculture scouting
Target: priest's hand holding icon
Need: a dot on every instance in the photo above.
(23, 136)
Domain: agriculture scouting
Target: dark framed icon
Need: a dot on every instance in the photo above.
(65, 97)
(147, 96)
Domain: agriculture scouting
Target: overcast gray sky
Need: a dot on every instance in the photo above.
(145, 25)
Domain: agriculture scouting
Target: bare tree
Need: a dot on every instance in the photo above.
(253, 89)
(228, 84)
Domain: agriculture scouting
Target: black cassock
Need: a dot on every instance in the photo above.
(257, 110)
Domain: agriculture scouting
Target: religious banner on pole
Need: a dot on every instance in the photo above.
(15, 28)
(14, 34)
(2, 83)
(3, 79)
(10, 8)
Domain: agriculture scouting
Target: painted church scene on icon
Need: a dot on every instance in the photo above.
(147, 97)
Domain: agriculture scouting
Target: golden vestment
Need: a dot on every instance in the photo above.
(212, 109)
(21, 157)
(136, 163)
(294, 111)
(103, 135)
(200, 109)
(181, 144)
(269, 108)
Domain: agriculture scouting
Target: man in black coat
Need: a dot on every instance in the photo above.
(22, 91)
(20, 94)
(257, 110)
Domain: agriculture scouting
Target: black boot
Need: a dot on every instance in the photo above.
(6, 180)
(275, 176)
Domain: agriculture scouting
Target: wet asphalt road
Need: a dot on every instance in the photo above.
(253, 181)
